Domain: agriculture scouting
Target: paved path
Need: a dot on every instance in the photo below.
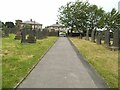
(61, 68)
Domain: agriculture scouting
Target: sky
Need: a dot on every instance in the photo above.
(42, 11)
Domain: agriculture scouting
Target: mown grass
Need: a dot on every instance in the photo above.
(18, 59)
(103, 60)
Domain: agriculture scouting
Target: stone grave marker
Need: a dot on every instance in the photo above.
(93, 36)
(116, 39)
(107, 38)
(23, 36)
(99, 37)
(18, 35)
(6, 32)
(31, 38)
(87, 35)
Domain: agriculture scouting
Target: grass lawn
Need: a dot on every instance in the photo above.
(18, 59)
(103, 60)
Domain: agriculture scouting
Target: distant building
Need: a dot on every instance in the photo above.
(55, 27)
(119, 6)
(34, 24)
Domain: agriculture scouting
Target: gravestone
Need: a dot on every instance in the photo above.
(6, 32)
(93, 36)
(18, 27)
(37, 34)
(107, 38)
(116, 39)
(40, 35)
(96, 33)
(44, 33)
(87, 35)
(23, 36)
(80, 36)
(18, 35)
(31, 38)
(99, 37)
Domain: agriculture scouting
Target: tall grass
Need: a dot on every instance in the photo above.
(102, 59)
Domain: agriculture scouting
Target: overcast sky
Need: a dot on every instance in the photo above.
(42, 11)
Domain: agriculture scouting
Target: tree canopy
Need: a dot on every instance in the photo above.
(9, 24)
(81, 16)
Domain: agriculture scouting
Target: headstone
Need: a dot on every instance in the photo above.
(93, 36)
(116, 39)
(87, 35)
(96, 34)
(40, 36)
(99, 38)
(80, 36)
(23, 36)
(37, 34)
(18, 35)
(6, 32)
(31, 38)
(107, 38)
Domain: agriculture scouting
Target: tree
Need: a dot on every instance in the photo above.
(73, 15)
(80, 16)
(112, 19)
(9, 24)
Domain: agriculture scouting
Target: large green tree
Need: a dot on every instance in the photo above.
(81, 16)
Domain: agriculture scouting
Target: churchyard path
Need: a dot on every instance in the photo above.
(63, 67)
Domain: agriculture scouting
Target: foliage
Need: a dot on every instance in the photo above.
(9, 24)
(82, 16)
(112, 19)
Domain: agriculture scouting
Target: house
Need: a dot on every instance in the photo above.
(55, 27)
(33, 24)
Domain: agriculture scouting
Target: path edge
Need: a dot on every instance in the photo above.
(18, 84)
(90, 68)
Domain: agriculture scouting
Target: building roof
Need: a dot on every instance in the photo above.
(55, 25)
(31, 22)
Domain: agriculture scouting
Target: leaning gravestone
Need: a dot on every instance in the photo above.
(107, 38)
(31, 38)
(23, 36)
